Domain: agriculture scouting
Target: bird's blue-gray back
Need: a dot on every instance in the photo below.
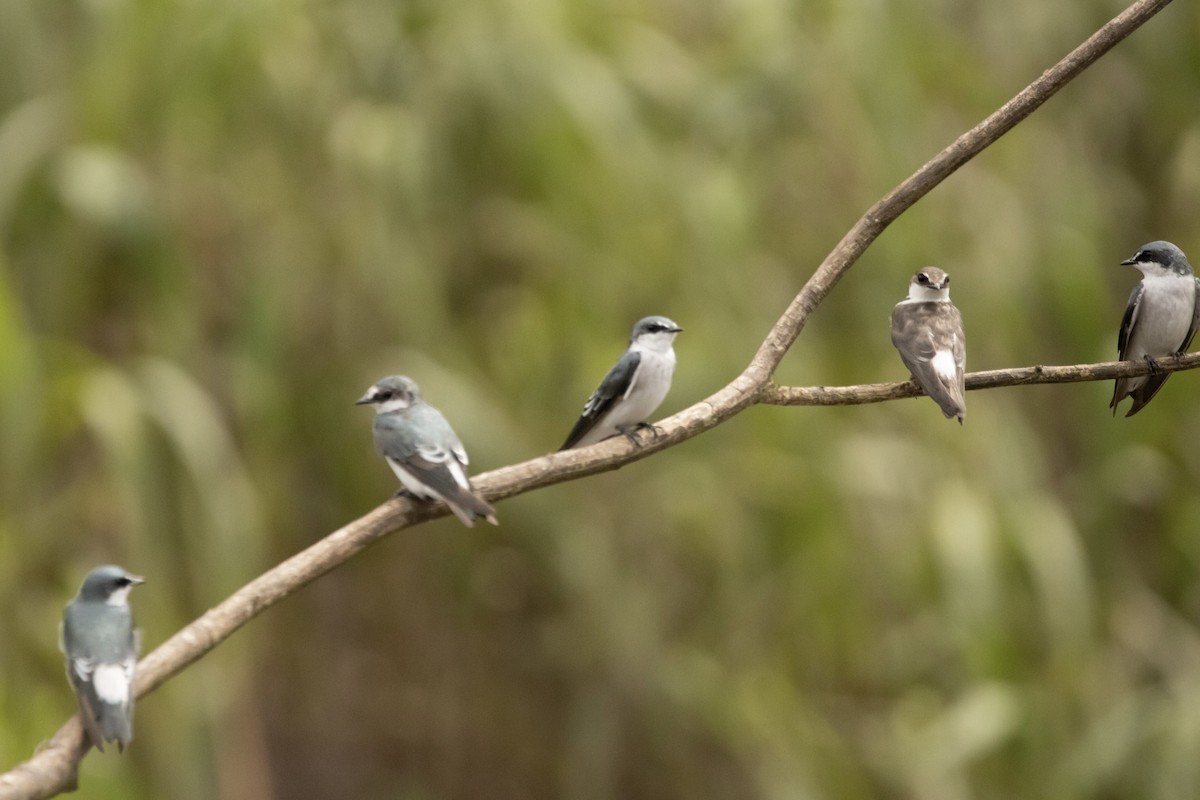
(98, 631)
(401, 435)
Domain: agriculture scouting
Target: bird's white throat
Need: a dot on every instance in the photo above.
(393, 405)
(119, 597)
(927, 294)
(658, 342)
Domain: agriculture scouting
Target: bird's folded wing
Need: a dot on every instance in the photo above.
(619, 381)
(1127, 321)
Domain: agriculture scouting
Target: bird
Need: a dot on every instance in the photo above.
(632, 389)
(101, 649)
(1160, 319)
(422, 449)
(927, 330)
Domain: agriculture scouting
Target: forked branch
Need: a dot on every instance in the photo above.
(54, 768)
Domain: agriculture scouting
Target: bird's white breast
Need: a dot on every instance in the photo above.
(648, 389)
(1164, 315)
(119, 597)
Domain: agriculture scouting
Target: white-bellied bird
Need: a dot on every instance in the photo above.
(633, 388)
(1160, 318)
(928, 331)
(101, 646)
(422, 449)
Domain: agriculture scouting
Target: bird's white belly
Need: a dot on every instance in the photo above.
(412, 482)
(645, 396)
(1164, 317)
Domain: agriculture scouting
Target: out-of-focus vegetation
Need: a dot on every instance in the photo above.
(221, 221)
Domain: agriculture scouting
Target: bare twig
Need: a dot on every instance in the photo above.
(54, 768)
(992, 379)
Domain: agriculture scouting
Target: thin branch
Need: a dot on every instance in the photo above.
(54, 768)
(862, 394)
(936, 170)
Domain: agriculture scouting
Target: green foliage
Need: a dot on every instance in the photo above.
(221, 221)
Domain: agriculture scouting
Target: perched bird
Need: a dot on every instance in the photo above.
(928, 331)
(1160, 319)
(421, 448)
(633, 388)
(101, 647)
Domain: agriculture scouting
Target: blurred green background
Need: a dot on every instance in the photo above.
(221, 221)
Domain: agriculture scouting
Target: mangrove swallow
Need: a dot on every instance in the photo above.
(1160, 319)
(422, 449)
(101, 647)
(633, 388)
(928, 331)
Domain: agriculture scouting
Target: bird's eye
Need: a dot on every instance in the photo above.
(922, 278)
(123, 581)
(947, 281)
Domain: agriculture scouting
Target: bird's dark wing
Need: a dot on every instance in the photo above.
(1127, 321)
(1191, 334)
(1121, 385)
(79, 671)
(616, 384)
(441, 467)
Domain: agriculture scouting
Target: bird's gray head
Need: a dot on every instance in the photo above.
(930, 283)
(1159, 256)
(108, 584)
(393, 393)
(656, 332)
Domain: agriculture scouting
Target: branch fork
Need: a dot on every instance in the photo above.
(53, 769)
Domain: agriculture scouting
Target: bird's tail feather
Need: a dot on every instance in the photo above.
(468, 507)
(117, 724)
(1145, 393)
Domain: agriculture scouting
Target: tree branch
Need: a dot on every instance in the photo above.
(862, 394)
(54, 768)
(936, 170)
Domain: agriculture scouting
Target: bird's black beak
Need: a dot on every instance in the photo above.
(366, 399)
(676, 329)
(1129, 262)
(135, 580)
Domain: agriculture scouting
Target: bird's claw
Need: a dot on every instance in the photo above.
(631, 432)
(1154, 368)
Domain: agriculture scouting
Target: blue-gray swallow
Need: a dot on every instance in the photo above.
(422, 449)
(101, 647)
(633, 388)
(1160, 318)
(928, 331)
